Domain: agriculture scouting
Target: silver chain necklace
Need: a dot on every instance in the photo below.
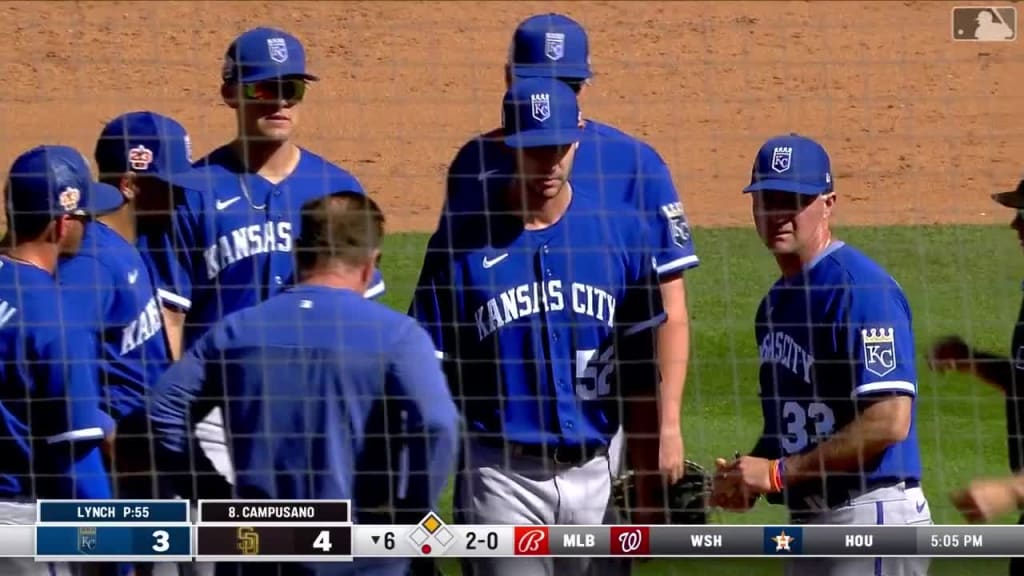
(245, 192)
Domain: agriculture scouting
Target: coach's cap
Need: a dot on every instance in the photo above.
(265, 54)
(792, 163)
(550, 46)
(54, 181)
(1013, 198)
(540, 112)
(150, 144)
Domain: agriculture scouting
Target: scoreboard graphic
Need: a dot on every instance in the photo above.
(322, 531)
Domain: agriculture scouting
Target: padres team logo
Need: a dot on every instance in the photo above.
(248, 541)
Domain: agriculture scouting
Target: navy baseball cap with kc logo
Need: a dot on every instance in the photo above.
(265, 54)
(550, 46)
(151, 144)
(540, 112)
(52, 181)
(792, 163)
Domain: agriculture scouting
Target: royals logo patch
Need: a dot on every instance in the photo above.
(277, 49)
(541, 109)
(782, 158)
(677, 223)
(554, 46)
(879, 346)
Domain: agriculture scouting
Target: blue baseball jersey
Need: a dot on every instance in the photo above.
(108, 285)
(49, 399)
(529, 324)
(321, 391)
(231, 246)
(831, 339)
(1015, 398)
(611, 165)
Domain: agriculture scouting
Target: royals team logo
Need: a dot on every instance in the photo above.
(879, 350)
(87, 540)
(278, 49)
(782, 158)
(541, 109)
(554, 46)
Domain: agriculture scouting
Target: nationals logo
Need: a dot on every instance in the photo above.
(532, 541)
(634, 541)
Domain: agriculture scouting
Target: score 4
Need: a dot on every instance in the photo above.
(274, 543)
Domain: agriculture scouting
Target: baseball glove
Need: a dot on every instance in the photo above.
(686, 500)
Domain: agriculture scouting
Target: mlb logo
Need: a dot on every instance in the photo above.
(541, 107)
(554, 46)
(782, 158)
(139, 158)
(879, 346)
(278, 50)
(69, 199)
(984, 23)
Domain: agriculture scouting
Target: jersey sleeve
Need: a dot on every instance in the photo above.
(642, 307)
(433, 301)
(671, 239)
(881, 340)
(170, 253)
(87, 288)
(422, 425)
(179, 399)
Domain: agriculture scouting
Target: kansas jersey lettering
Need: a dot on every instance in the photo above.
(829, 340)
(232, 248)
(109, 287)
(531, 318)
(49, 398)
(611, 165)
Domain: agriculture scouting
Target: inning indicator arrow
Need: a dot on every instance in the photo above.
(375, 539)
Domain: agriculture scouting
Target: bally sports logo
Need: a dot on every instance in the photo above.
(630, 540)
(532, 541)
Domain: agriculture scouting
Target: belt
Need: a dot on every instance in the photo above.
(559, 453)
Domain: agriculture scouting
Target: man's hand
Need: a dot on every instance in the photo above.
(727, 490)
(949, 353)
(671, 454)
(984, 500)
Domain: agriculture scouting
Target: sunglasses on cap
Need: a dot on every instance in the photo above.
(288, 90)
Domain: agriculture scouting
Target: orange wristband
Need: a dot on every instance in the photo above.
(775, 476)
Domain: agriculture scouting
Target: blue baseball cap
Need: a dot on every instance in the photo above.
(55, 181)
(792, 163)
(550, 46)
(540, 112)
(265, 54)
(150, 144)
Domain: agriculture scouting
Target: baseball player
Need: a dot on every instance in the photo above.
(837, 374)
(536, 307)
(613, 166)
(321, 390)
(53, 427)
(1000, 371)
(234, 242)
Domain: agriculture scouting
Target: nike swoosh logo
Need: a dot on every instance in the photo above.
(133, 276)
(491, 262)
(222, 204)
(485, 175)
(920, 506)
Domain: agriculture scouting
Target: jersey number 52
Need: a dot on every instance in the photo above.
(795, 419)
(592, 375)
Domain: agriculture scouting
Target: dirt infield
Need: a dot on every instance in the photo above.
(920, 127)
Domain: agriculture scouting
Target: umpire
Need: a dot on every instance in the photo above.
(325, 394)
(1006, 373)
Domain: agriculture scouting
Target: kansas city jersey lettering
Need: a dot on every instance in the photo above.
(528, 299)
(781, 349)
(245, 242)
(147, 325)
